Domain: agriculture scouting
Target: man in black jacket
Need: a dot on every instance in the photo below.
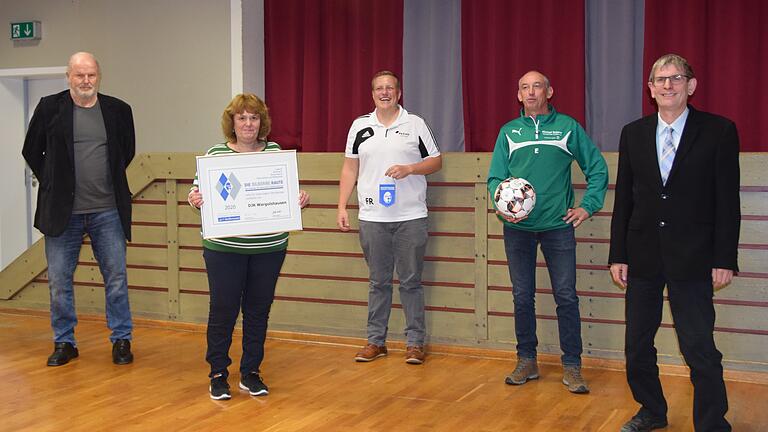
(675, 223)
(78, 145)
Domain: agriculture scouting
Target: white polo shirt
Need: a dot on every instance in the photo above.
(407, 141)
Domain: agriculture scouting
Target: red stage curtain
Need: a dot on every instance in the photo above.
(726, 43)
(502, 40)
(320, 57)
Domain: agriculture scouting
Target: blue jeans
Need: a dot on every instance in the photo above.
(559, 249)
(62, 252)
(389, 247)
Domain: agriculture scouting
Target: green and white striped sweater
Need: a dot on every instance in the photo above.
(252, 244)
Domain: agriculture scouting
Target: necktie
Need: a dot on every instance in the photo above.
(667, 154)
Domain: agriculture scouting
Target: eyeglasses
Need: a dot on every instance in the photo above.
(659, 81)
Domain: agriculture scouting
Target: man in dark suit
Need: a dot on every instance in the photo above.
(675, 223)
(78, 145)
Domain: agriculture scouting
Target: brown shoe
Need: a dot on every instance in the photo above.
(526, 369)
(414, 354)
(370, 353)
(573, 379)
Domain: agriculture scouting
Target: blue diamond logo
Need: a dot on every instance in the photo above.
(228, 186)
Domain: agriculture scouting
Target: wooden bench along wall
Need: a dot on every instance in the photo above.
(323, 285)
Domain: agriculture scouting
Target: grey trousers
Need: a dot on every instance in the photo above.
(390, 246)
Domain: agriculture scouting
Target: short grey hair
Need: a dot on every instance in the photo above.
(675, 60)
(82, 54)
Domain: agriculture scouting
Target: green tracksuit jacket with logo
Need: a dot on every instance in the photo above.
(541, 151)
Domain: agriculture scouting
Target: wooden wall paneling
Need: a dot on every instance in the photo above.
(753, 202)
(310, 290)
(754, 231)
(333, 267)
(744, 351)
(140, 173)
(502, 305)
(351, 319)
(149, 255)
(191, 258)
(597, 227)
(463, 167)
(753, 260)
(179, 166)
(448, 273)
(498, 279)
(501, 330)
(189, 236)
(325, 193)
(23, 269)
(607, 340)
(481, 261)
(152, 234)
(34, 295)
(319, 166)
(172, 227)
(145, 303)
(578, 194)
(194, 307)
(449, 221)
(326, 241)
(445, 273)
(153, 212)
(323, 288)
(452, 194)
(444, 326)
(147, 278)
(752, 166)
(745, 289)
(155, 191)
(741, 319)
(587, 252)
(188, 215)
(89, 297)
(454, 247)
(322, 318)
(195, 282)
(138, 255)
(326, 217)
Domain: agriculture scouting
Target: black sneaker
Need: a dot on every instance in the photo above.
(253, 383)
(643, 423)
(219, 387)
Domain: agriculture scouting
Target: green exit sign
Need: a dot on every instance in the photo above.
(26, 30)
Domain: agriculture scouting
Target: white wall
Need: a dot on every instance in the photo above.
(169, 59)
(12, 172)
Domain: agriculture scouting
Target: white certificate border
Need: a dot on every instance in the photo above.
(207, 163)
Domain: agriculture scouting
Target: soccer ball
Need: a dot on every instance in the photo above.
(515, 197)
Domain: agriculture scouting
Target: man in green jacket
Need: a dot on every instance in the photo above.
(540, 146)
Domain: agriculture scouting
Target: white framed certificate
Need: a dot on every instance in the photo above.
(249, 193)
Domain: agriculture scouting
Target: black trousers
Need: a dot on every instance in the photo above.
(694, 318)
(239, 281)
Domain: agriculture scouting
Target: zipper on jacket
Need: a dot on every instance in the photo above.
(536, 123)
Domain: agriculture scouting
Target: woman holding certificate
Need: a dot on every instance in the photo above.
(242, 271)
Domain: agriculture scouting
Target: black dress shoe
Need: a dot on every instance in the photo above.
(63, 352)
(121, 352)
(643, 423)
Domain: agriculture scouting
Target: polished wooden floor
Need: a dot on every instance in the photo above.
(313, 387)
